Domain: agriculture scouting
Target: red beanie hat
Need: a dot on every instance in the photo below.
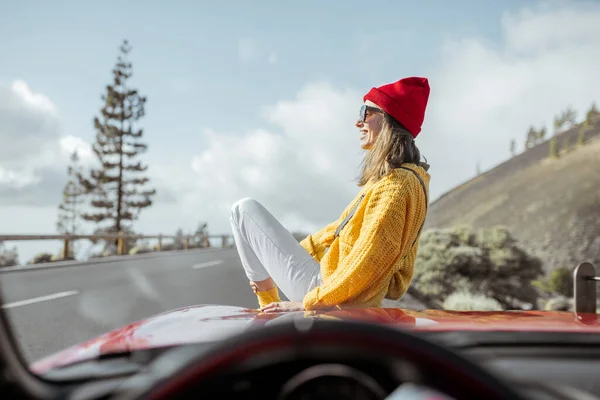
(405, 100)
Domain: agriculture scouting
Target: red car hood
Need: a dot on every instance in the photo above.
(210, 323)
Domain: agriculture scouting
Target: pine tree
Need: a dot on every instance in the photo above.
(200, 236)
(8, 257)
(69, 208)
(569, 118)
(581, 134)
(553, 148)
(566, 120)
(531, 138)
(118, 186)
(541, 134)
(513, 147)
(558, 124)
(591, 114)
(180, 238)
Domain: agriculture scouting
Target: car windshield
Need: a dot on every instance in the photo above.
(177, 173)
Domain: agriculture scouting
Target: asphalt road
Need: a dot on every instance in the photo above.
(54, 308)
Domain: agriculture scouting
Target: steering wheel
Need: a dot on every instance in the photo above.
(182, 372)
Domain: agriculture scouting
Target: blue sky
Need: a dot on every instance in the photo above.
(259, 98)
(186, 57)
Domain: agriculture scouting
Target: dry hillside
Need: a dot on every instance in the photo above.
(551, 205)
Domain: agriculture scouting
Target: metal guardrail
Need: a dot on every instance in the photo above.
(121, 239)
(584, 288)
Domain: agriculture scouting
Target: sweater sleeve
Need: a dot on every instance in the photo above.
(382, 239)
(316, 243)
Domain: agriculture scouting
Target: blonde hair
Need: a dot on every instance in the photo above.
(393, 147)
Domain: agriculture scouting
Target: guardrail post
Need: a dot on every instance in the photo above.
(66, 249)
(584, 288)
(121, 244)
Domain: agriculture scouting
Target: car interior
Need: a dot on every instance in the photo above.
(313, 358)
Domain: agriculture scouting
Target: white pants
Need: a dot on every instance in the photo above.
(267, 249)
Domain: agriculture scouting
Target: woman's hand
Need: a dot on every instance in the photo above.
(283, 306)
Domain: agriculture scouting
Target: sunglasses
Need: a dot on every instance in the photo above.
(362, 116)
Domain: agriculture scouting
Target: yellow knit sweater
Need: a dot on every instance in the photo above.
(373, 257)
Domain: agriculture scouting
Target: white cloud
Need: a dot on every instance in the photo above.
(28, 121)
(69, 144)
(34, 155)
(302, 169)
(484, 94)
(17, 179)
(35, 102)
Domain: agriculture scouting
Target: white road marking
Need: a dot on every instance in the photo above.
(207, 264)
(40, 299)
(114, 260)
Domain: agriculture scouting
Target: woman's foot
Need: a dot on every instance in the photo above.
(266, 291)
(262, 286)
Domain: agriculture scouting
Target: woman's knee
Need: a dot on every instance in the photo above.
(243, 206)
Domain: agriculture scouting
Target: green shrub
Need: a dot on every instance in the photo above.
(60, 257)
(560, 281)
(41, 258)
(560, 303)
(465, 301)
(487, 262)
(8, 257)
(140, 250)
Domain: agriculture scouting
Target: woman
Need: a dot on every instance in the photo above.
(368, 254)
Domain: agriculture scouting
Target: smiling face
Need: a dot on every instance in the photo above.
(370, 127)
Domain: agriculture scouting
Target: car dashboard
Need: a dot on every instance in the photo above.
(541, 366)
